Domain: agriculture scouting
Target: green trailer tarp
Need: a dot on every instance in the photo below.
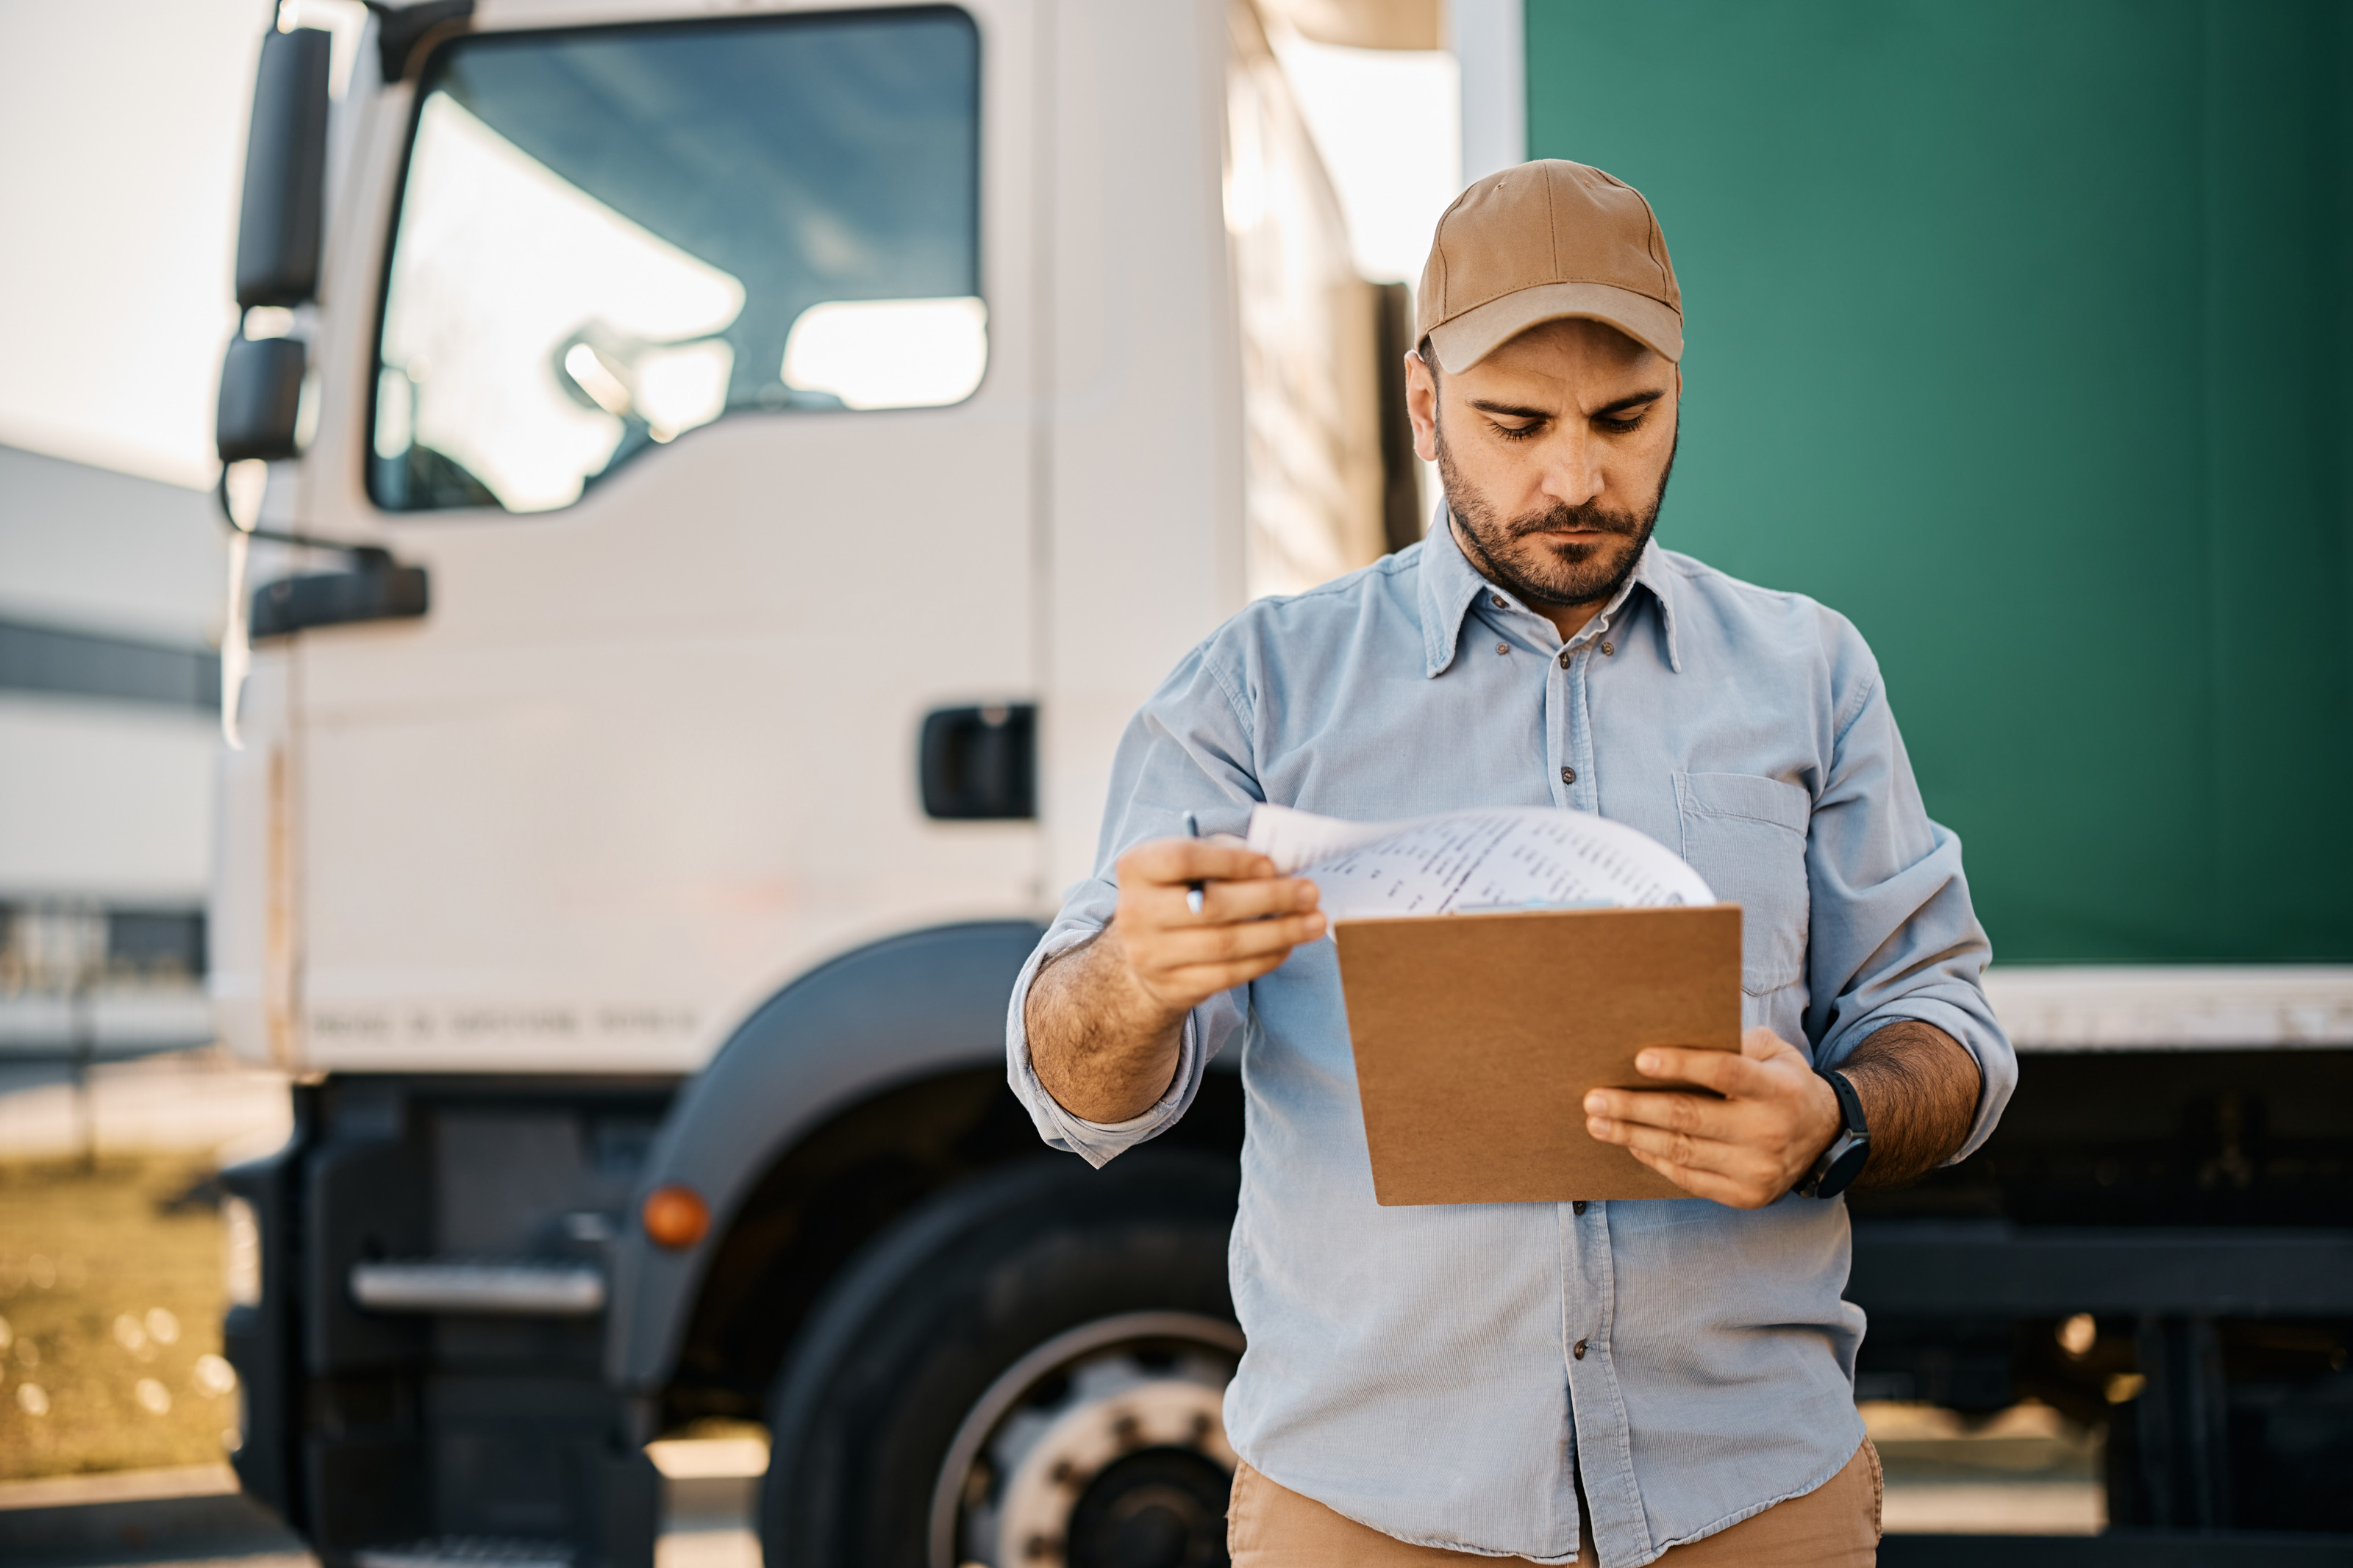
(2018, 332)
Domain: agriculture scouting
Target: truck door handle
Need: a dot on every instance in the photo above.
(376, 590)
(979, 763)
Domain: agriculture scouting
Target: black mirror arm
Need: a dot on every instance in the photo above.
(373, 557)
(375, 588)
(404, 33)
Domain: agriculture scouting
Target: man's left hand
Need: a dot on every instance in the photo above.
(1745, 1150)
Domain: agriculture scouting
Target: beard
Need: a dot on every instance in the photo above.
(1514, 553)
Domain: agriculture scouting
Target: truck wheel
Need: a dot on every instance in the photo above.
(1026, 1372)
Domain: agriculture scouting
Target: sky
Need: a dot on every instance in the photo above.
(121, 141)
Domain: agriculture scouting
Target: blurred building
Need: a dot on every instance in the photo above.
(111, 598)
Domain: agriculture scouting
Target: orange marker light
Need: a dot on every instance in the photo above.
(675, 1217)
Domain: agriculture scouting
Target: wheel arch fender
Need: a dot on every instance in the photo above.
(909, 1006)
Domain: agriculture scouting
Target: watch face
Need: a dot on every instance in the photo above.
(1844, 1170)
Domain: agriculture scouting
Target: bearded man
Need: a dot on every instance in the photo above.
(1610, 1383)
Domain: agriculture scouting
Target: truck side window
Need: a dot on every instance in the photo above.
(610, 235)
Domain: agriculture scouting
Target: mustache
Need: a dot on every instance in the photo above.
(1588, 515)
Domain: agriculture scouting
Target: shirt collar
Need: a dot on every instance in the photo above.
(1449, 585)
(1652, 572)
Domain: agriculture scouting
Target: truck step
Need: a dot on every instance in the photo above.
(468, 1551)
(501, 1287)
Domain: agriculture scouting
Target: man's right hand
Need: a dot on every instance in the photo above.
(1106, 1020)
(1250, 919)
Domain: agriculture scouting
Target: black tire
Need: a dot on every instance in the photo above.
(928, 1317)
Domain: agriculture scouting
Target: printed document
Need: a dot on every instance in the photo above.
(1508, 857)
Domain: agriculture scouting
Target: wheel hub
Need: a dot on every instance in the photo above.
(1111, 1455)
(1157, 1508)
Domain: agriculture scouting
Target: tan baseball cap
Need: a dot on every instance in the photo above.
(1543, 242)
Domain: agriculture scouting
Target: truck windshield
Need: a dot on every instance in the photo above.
(608, 236)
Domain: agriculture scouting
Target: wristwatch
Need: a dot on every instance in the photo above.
(1842, 1162)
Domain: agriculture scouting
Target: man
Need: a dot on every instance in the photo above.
(1595, 1382)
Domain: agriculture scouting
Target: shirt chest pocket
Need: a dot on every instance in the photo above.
(1747, 835)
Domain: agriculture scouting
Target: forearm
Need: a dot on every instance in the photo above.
(1102, 1048)
(1919, 1090)
(1105, 1020)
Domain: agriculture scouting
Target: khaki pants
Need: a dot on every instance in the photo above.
(1836, 1525)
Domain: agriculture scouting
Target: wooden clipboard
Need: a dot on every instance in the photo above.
(1477, 1037)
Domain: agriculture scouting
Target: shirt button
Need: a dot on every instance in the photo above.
(1578, 1350)
(1578, 1206)
(1569, 775)
(1499, 601)
(1563, 658)
(1503, 648)
(1607, 648)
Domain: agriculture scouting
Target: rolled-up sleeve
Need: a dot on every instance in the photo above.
(1894, 935)
(1187, 749)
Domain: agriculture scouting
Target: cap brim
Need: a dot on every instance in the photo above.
(1481, 331)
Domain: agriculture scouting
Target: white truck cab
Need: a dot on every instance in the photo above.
(712, 481)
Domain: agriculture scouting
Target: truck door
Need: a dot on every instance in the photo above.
(679, 374)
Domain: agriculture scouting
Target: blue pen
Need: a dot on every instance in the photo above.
(1192, 890)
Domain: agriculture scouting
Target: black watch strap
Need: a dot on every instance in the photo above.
(1842, 1162)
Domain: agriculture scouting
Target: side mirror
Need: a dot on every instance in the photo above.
(260, 399)
(279, 225)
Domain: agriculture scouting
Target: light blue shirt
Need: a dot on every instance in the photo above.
(1415, 1368)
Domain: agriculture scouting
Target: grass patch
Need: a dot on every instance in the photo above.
(110, 1288)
